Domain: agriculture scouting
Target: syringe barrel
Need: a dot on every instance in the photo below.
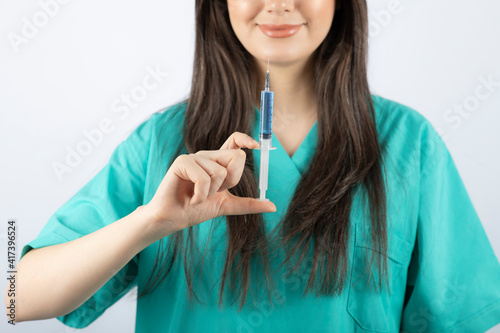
(266, 114)
(264, 164)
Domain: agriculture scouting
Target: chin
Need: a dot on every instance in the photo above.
(283, 55)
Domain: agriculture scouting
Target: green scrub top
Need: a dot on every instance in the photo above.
(444, 275)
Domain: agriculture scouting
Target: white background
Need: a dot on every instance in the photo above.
(73, 71)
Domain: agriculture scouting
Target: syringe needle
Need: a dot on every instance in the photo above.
(268, 53)
(267, 82)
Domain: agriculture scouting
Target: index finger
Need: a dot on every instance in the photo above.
(239, 140)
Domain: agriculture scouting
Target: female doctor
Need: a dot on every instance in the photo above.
(356, 179)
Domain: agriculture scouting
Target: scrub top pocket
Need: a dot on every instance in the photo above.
(365, 301)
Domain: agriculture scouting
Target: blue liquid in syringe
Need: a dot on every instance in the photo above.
(266, 113)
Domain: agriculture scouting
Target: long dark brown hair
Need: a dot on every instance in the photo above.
(347, 159)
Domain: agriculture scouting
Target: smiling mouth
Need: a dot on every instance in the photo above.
(279, 31)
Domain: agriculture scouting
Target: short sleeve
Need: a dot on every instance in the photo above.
(114, 192)
(454, 275)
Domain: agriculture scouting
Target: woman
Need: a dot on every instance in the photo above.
(355, 179)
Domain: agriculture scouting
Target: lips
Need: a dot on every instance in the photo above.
(279, 31)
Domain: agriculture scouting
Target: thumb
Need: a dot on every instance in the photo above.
(234, 205)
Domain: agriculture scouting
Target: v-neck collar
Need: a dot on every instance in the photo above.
(285, 172)
(301, 158)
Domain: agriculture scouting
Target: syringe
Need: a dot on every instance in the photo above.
(265, 137)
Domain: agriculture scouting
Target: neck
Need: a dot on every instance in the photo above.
(293, 86)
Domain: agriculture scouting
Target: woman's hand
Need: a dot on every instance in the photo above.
(195, 188)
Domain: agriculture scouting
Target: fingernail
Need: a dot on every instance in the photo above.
(273, 205)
